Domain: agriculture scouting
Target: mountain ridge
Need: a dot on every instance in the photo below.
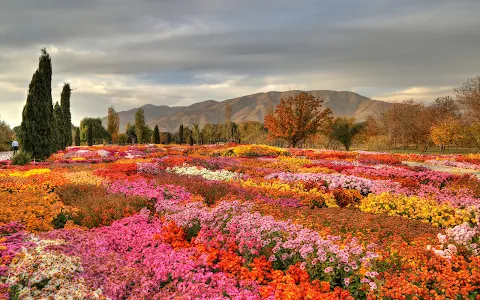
(251, 107)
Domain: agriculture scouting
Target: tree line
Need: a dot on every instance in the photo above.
(301, 120)
(447, 121)
(91, 131)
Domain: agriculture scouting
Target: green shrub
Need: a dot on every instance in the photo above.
(21, 158)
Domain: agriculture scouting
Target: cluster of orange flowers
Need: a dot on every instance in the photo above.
(35, 209)
(293, 284)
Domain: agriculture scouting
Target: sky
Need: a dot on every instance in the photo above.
(176, 52)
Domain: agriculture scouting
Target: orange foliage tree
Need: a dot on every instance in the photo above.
(446, 133)
(296, 118)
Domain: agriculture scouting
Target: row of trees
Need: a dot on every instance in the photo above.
(447, 121)
(295, 120)
(45, 128)
(301, 120)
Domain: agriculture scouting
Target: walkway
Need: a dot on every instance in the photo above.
(443, 168)
(6, 155)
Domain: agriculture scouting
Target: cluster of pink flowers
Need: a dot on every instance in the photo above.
(424, 177)
(283, 202)
(333, 181)
(141, 267)
(13, 241)
(461, 236)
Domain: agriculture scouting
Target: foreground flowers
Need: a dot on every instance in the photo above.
(238, 222)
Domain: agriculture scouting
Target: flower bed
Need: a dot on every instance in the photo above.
(238, 222)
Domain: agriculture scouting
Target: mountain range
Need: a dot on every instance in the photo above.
(246, 108)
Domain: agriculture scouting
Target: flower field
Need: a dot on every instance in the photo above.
(238, 222)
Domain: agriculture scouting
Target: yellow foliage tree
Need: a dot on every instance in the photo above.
(447, 132)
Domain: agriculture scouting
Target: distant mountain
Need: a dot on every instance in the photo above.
(247, 108)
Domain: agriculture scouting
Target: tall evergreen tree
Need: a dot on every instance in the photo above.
(180, 134)
(168, 138)
(77, 137)
(140, 125)
(58, 127)
(90, 134)
(113, 126)
(190, 140)
(37, 117)
(156, 135)
(67, 116)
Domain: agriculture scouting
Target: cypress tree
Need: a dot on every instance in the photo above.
(156, 135)
(59, 128)
(190, 140)
(77, 137)
(90, 134)
(168, 138)
(180, 134)
(37, 117)
(140, 125)
(67, 116)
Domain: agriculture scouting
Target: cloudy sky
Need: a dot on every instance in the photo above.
(176, 52)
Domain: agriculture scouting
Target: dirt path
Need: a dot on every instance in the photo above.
(6, 155)
(443, 168)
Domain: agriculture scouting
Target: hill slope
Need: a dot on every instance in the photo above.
(247, 108)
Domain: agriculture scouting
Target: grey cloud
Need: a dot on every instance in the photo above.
(383, 44)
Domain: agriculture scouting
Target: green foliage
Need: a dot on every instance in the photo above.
(252, 132)
(147, 134)
(140, 126)
(90, 134)
(99, 133)
(131, 133)
(67, 116)
(77, 136)
(60, 220)
(113, 125)
(344, 129)
(190, 140)
(21, 158)
(6, 136)
(156, 135)
(58, 128)
(37, 117)
(180, 134)
(165, 138)
(122, 138)
(192, 231)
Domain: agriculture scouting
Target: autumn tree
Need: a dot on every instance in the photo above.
(443, 108)
(113, 125)
(468, 95)
(446, 133)
(296, 118)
